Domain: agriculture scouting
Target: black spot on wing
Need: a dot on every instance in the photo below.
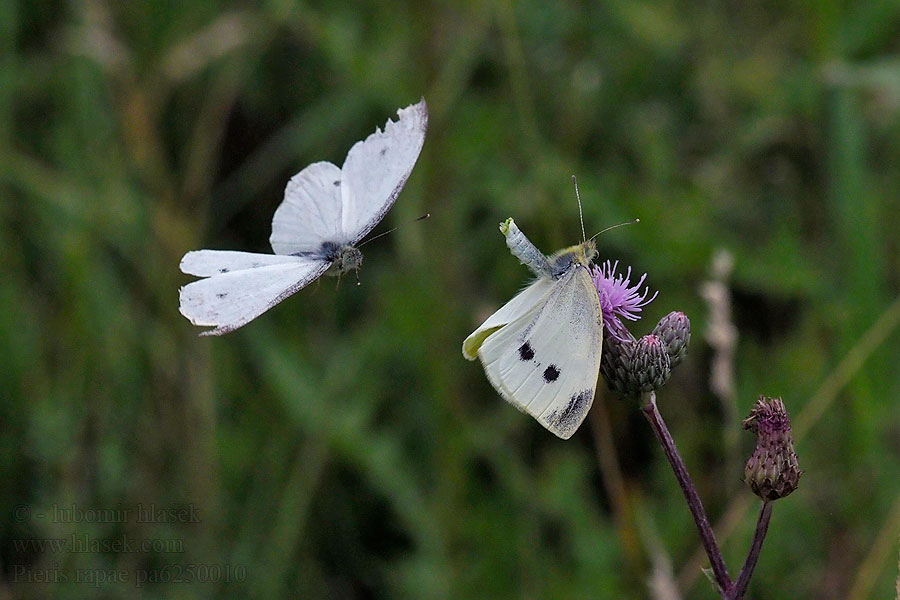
(337, 182)
(526, 352)
(570, 417)
(222, 295)
(383, 151)
(223, 270)
(551, 374)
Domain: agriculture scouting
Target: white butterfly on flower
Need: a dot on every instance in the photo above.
(541, 350)
(326, 211)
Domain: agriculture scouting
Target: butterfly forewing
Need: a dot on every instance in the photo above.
(377, 168)
(546, 361)
(311, 211)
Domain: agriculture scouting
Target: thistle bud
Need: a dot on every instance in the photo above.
(632, 366)
(651, 367)
(675, 332)
(616, 360)
(772, 471)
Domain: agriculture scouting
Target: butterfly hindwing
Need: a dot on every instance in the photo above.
(205, 263)
(233, 297)
(520, 304)
(546, 361)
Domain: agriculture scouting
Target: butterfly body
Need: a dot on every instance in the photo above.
(347, 258)
(326, 211)
(541, 350)
(342, 257)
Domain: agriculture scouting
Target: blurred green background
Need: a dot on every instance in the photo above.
(340, 446)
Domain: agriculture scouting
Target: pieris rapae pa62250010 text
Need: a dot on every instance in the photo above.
(326, 211)
(541, 351)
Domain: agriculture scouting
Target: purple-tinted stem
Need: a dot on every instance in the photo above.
(690, 493)
(762, 525)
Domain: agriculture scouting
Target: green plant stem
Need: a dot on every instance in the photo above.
(762, 526)
(690, 492)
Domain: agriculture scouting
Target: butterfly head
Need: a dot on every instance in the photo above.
(563, 261)
(346, 258)
(582, 254)
(588, 251)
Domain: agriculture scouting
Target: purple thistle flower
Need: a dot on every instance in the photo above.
(618, 298)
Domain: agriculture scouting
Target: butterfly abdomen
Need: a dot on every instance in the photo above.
(522, 248)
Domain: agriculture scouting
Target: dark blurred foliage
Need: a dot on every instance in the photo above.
(339, 446)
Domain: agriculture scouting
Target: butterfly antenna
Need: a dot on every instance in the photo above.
(580, 214)
(635, 221)
(422, 218)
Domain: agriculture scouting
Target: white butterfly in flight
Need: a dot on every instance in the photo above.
(541, 350)
(326, 211)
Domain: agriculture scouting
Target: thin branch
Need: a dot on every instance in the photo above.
(690, 493)
(726, 525)
(762, 526)
(722, 336)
